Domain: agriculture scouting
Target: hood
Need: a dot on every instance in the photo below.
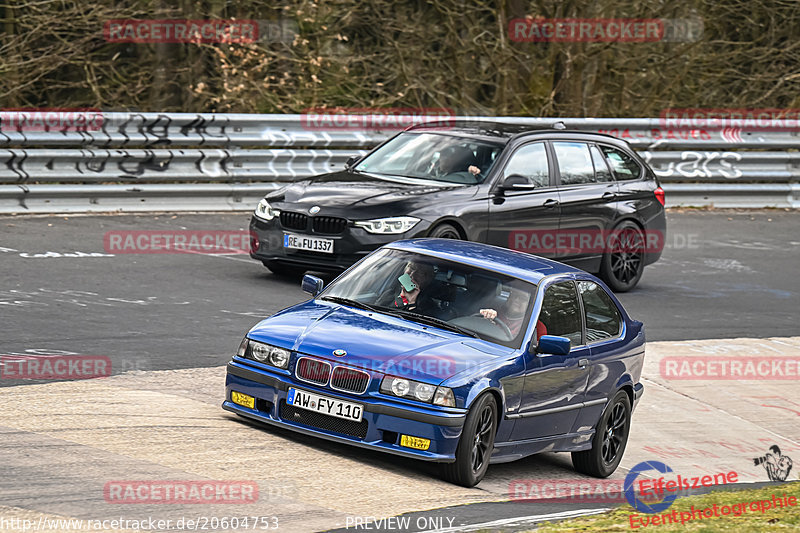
(375, 342)
(365, 194)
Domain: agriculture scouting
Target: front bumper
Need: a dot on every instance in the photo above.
(382, 424)
(348, 247)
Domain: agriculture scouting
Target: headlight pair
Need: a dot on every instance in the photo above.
(388, 226)
(416, 390)
(264, 211)
(264, 353)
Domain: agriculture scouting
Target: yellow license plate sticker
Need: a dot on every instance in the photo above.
(418, 443)
(243, 399)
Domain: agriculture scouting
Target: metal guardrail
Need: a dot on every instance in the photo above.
(131, 158)
(44, 199)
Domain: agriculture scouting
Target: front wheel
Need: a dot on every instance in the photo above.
(445, 231)
(476, 444)
(609, 440)
(623, 263)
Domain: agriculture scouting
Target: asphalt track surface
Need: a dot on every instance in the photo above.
(724, 275)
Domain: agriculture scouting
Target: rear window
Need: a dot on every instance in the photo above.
(625, 167)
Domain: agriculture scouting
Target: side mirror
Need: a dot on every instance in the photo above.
(350, 163)
(553, 345)
(312, 285)
(516, 182)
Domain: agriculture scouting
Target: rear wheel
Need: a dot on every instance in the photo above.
(609, 440)
(445, 231)
(622, 265)
(476, 444)
(284, 270)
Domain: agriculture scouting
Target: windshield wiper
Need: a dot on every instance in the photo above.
(433, 321)
(353, 303)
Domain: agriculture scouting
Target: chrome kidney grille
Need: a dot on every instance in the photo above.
(313, 371)
(349, 380)
(342, 378)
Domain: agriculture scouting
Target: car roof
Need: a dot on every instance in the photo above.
(500, 131)
(514, 263)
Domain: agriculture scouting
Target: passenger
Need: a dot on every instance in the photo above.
(416, 300)
(512, 314)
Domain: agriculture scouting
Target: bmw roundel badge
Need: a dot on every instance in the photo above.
(339, 353)
(314, 210)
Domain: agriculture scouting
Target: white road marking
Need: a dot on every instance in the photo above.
(520, 520)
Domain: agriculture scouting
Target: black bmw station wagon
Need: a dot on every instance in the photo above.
(585, 199)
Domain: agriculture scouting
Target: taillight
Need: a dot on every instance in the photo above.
(660, 196)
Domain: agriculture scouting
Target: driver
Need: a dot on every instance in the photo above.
(453, 159)
(512, 313)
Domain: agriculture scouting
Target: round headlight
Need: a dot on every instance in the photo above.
(260, 352)
(424, 392)
(400, 386)
(279, 357)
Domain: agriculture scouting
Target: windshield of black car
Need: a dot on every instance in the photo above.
(433, 156)
(493, 306)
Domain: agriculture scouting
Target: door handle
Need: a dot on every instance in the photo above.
(609, 196)
(550, 203)
(583, 363)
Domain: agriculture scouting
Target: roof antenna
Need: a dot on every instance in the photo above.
(559, 126)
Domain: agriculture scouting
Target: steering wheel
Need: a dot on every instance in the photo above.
(497, 322)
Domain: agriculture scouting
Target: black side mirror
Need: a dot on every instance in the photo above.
(553, 345)
(351, 162)
(312, 285)
(516, 182)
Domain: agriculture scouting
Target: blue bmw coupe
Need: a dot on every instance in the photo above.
(449, 351)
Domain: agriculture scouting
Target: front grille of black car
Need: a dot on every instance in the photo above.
(329, 225)
(313, 371)
(349, 380)
(291, 220)
(313, 419)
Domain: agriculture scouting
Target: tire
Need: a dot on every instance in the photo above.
(445, 231)
(612, 430)
(476, 444)
(621, 267)
(283, 270)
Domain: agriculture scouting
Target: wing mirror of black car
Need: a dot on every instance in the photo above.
(312, 285)
(351, 162)
(553, 345)
(516, 182)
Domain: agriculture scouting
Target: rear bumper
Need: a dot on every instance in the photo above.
(381, 427)
(638, 390)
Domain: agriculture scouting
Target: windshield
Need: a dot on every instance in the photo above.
(445, 294)
(433, 156)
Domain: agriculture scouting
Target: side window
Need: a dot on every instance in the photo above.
(624, 166)
(602, 317)
(530, 162)
(561, 314)
(601, 172)
(574, 162)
